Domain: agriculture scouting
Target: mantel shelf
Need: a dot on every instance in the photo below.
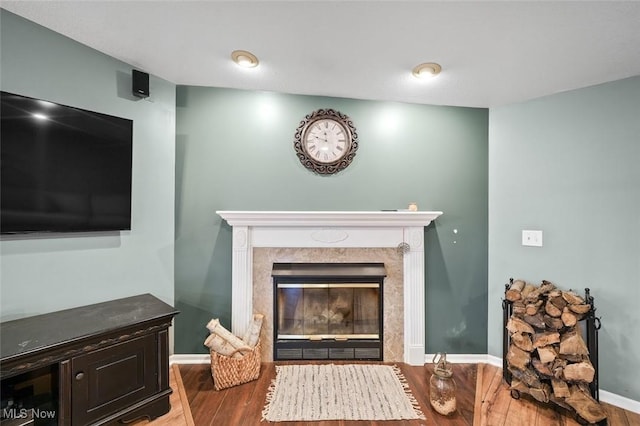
(329, 218)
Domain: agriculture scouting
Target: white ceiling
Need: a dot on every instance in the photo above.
(492, 53)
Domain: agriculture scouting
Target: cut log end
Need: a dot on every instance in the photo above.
(586, 407)
(516, 325)
(514, 292)
(579, 372)
(572, 343)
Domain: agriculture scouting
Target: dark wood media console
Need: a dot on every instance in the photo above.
(94, 365)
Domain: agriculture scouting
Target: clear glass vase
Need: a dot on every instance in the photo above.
(442, 387)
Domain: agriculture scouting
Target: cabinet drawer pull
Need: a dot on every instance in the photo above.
(80, 376)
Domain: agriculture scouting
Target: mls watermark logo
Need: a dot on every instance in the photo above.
(27, 413)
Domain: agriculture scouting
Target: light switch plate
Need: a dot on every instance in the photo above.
(532, 238)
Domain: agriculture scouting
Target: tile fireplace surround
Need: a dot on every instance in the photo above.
(301, 236)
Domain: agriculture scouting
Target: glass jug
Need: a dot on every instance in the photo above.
(442, 387)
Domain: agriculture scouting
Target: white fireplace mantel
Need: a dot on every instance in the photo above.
(333, 229)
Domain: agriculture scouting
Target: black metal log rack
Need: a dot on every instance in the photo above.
(591, 326)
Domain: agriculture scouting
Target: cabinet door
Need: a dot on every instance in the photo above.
(110, 379)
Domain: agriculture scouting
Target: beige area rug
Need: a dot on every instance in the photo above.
(339, 392)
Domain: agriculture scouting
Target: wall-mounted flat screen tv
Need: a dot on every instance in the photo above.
(63, 169)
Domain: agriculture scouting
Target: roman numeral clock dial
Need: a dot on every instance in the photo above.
(326, 141)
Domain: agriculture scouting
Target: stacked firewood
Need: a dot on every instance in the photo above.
(223, 342)
(547, 355)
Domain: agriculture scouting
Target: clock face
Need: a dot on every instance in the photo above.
(326, 140)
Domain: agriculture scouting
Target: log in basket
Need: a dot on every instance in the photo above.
(234, 361)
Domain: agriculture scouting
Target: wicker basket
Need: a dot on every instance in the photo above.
(228, 371)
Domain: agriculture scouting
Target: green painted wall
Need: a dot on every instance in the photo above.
(567, 164)
(234, 151)
(41, 274)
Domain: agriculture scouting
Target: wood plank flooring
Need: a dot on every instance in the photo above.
(497, 408)
(180, 414)
(483, 400)
(242, 405)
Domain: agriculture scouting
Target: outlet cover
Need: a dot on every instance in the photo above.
(532, 238)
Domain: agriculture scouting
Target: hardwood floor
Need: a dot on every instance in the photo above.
(483, 400)
(495, 407)
(180, 414)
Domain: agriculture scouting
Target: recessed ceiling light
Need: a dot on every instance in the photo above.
(244, 59)
(427, 70)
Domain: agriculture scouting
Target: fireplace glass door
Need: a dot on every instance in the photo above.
(328, 311)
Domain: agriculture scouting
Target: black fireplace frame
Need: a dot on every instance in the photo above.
(328, 349)
(592, 325)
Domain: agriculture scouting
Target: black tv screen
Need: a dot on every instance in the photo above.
(63, 169)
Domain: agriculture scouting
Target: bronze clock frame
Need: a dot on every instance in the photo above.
(311, 163)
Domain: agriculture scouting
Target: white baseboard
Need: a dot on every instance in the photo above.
(494, 360)
(469, 359)
(190, 359)
(460, 358)
(620, 401)
(605, 396)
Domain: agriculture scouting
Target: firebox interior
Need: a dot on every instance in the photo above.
(328, 310)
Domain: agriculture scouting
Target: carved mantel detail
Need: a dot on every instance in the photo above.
(351, 229)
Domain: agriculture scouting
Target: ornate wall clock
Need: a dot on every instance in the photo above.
(326, 141)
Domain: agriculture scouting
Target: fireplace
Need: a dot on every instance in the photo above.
(328, 310)
(298, 236)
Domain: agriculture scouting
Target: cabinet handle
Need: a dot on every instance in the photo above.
(80, 376)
